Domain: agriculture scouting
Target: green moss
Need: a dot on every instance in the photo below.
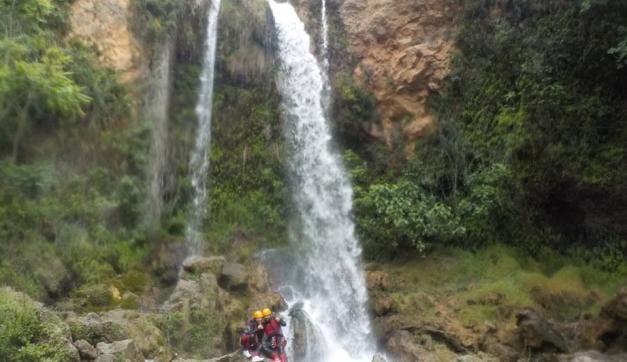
(491, 284)
(135, 281)
(192, 331)
(28, 332)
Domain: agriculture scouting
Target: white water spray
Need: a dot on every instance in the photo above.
(157, 106)
(326, 271)
(199, 163)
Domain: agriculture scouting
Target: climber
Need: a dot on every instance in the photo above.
(273, 342)
(252, 336)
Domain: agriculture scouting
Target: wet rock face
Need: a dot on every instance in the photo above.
(404, 50)
(104, 24)
(308, 341)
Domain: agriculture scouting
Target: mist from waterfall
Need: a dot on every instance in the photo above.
(325, 273)
(199, 163)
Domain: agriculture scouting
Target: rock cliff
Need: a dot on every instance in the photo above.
(104, 24)
(403, 50)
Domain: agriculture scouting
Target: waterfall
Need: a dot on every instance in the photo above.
(157, 105)
(324, 53)
(324, 56)
(199, 163)
(324, 274)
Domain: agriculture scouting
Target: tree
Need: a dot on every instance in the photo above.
(35, 86)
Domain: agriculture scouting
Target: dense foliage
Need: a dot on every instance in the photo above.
(29, 333)
(531, 141)
(70, 176)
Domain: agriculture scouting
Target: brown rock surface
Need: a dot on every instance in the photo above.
(104, 24)
(404, 50)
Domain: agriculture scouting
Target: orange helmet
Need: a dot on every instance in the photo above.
(257, 314)
(267, 312)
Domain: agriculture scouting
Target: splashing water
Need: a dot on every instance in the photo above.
(325, 274)
(199, 163)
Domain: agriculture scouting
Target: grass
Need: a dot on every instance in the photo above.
(490, 284)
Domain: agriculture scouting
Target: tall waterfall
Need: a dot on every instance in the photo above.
(199, 163)
(157, 105)
(326, 267)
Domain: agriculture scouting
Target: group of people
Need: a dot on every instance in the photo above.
(263, 337)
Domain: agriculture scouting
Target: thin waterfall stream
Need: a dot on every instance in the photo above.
(324, 276)
(157, 106)
(324, 58)
(199, 163)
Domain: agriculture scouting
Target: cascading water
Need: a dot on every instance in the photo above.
(199, 163)
(324, 54)
(156, 110)
(324, 274)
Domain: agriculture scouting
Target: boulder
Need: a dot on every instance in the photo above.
(166, 260)
(258, 279)
(538, 334)
(143, 328)
(119, 351)
(481, 357)
(377, 280)
(378, 358)
(94, 328)
(201, 264)
(382, 304)
(592, 356)
(272, 300)
(86, 350)
(307, 340)
(233, 277)
(194, 316)
(617, 307)
(403, 344)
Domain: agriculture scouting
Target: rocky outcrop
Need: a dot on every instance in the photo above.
(201, 318)
(233, 277)
(538, 334)
(86, 350)
(118, 351)
(419, 319)
(404, 50)
(104, 25)
(145, 329)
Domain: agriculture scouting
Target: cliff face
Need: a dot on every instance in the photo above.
(104, 24)
(403, 50)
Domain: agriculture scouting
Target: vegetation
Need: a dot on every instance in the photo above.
(530, 138)
(476, 289)
(71, 181)
(28, 332)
